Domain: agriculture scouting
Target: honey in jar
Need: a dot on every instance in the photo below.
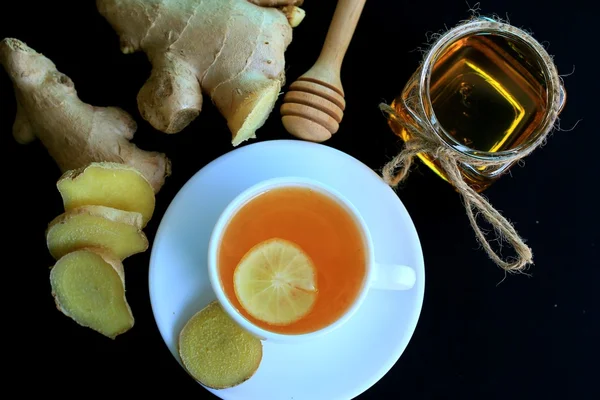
(486, 90)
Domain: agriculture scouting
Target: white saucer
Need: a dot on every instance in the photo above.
(340, 365)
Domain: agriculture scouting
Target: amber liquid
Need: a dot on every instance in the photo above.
(487, 95)
(322, 228)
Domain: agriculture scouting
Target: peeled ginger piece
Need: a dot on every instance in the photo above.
(89, 287)
(216, 351)
(116, 231)
(108, 184)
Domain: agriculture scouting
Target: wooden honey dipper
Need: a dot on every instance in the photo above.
(314, 106)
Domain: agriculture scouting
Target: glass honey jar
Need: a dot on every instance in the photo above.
(488, 92)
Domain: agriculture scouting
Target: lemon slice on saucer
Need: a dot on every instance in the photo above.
(275, 282)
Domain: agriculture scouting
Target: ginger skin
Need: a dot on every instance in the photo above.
(74, 133)
(231, 50)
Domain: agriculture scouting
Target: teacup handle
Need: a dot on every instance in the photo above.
(392, 277)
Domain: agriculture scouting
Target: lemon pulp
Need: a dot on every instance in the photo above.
(275, 282)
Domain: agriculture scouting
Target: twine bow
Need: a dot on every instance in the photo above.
(396, 170)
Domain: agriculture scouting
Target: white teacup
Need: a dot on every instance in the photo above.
(378, 276)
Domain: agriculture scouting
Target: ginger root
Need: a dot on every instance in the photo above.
(115, 231)
(276, 3)
(216, 351)
(74, 133)
(231, 50)
(89, 287)
(108, 184)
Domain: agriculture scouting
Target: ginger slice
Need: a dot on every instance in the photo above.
(88, 286)
(216, 351)
(118, 232)
(108, 184)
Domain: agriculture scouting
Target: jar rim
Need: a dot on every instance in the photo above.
(555, 90)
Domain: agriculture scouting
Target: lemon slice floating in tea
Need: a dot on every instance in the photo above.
(275, 282)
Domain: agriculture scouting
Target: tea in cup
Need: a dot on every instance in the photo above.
(291, 259)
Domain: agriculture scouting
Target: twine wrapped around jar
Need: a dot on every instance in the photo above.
(425, 140)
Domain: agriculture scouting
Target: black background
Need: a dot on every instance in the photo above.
(479, 336)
